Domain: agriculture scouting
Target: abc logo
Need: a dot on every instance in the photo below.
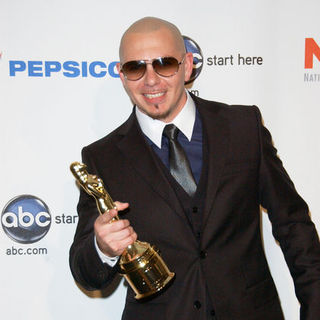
(192, 46)
(26, 219)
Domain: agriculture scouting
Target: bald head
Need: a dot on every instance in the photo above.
(152, 25)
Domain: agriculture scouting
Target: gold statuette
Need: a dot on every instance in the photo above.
(140, 263)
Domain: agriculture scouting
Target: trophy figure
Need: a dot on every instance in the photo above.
(140, 263)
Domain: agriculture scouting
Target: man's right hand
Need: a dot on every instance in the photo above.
(114, 237)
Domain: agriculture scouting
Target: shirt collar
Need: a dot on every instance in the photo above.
(184, 121)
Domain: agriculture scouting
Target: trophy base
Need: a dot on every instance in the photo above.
(150, 293)
(147, 274)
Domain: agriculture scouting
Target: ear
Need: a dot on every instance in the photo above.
(188, 66)
(120, 73)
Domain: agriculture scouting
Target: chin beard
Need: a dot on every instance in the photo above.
(160, 116)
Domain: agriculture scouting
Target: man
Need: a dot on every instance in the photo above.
(207, 223)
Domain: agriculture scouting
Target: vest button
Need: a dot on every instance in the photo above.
(203, 254)
(197, 304)
(195, 209)
(212, 313)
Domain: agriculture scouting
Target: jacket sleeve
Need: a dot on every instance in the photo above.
(85, 264)
(291, 226)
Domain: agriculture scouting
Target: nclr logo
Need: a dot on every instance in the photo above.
(311, 49)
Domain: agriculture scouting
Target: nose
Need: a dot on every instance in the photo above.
(151, 78)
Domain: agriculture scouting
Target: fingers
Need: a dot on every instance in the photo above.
(121, 205)
(108, 216)
(123, 235)
(113, 238)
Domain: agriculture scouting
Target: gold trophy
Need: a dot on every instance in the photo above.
(140, 263)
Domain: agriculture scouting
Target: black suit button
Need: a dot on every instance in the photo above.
(212, 313)
(203, 254)
(197, 304)
(195, 209)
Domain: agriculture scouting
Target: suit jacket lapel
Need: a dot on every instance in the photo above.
(134, 147)
(217, 137)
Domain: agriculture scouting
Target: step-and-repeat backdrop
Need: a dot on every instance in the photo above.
(59, 91)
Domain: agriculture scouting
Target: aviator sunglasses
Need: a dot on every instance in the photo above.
(163, 66)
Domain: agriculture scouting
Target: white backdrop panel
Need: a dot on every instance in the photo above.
(46, 120)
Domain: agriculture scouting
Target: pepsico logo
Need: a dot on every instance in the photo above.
(26, 219)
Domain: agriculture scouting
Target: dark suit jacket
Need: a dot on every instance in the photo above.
(243, 172)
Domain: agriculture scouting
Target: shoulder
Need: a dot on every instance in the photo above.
(232, 112)
(216, 106)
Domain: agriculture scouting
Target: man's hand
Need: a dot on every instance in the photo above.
(114, 237)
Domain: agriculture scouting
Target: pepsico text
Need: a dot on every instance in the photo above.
(69, 69)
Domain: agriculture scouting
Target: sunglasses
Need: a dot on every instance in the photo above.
(163, 66)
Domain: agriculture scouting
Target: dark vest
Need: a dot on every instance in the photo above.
(197, 154)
